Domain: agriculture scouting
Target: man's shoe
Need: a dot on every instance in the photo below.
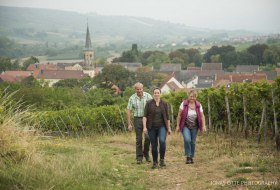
(155, 165)
(148, 158)
(188, 160)
(139, 162)
(162, 163)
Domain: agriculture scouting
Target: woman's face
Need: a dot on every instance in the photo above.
(157, 93)
(192, 97)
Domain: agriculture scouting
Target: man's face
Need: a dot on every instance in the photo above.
(139, 91)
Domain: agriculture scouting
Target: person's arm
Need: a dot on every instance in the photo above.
(204, 129)
(145, 118)
(168, 119)
(128, 114)
(169, 127)
(145, 125)
(178, 120)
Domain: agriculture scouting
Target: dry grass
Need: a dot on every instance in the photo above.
(29, 161)
(108, 162)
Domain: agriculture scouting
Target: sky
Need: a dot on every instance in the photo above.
(252, 15)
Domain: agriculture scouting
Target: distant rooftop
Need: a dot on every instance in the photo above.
(211, 66)
(170, 67)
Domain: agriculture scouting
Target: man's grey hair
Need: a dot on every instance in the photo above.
(138, 84)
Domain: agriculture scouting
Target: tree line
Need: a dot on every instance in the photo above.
(257, 54)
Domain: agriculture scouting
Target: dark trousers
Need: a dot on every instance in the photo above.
(140, 152)
(158, 135)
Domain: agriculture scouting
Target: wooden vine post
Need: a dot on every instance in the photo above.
(209, 113)
(228, 115)
(245, 116)
(277, 137)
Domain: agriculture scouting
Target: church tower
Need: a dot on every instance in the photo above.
(88, 52)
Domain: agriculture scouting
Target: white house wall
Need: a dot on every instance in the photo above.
(176, 82)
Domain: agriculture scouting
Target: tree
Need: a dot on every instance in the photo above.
(215, 58)
(245, 58)
(100, 97)
(258, 50)
(229, 58)
(30, 82)
(157, 58)
(145, 76)
(115, 74)
(194, 56)
(159, 79)
(271, 55)
(179, 57)
(132, 55)
(215, 50)
(145, 56)
(31, 60)
(5, 64)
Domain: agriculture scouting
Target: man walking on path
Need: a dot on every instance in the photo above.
(136, 104)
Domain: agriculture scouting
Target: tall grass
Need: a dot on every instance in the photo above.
(16, 138)
(30, 160)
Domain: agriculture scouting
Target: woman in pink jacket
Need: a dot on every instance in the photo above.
(190, 118)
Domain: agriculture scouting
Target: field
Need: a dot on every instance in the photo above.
(108, 162)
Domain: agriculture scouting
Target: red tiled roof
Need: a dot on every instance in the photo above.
(45, 66)
(61, 74)
(235, 77)
(194, 69)
(167, 79)
(172, 85)
(15, 76)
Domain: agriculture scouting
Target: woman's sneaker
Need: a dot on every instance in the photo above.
(162, 163)
(155, 165)
(191, 160)
(188, 160)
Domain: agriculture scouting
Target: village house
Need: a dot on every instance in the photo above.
(170, 67)
(52, 77)
(170, 85)
(247, 68)
(228, 79)
(15, 76)
(53, 71)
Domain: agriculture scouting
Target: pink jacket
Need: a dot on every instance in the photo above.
(184, 115)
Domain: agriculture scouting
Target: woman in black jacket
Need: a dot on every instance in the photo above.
(156, 123)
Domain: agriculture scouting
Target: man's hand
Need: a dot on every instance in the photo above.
(129, 127)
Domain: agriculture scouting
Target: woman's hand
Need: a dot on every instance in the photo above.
(145, 130)
(177, 129)
(169, 131)
(204, 129)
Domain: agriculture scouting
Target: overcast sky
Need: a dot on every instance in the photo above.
(254, 15)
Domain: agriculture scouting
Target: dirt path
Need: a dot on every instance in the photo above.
(213, 168)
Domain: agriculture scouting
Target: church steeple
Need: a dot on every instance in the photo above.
(88, 51)
(88, 41)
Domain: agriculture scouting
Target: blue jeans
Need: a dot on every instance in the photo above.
(158, 134)
(189, 141)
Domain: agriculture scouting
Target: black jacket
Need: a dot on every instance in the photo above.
(149, 112)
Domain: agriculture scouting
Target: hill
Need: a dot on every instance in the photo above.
(31, 25)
